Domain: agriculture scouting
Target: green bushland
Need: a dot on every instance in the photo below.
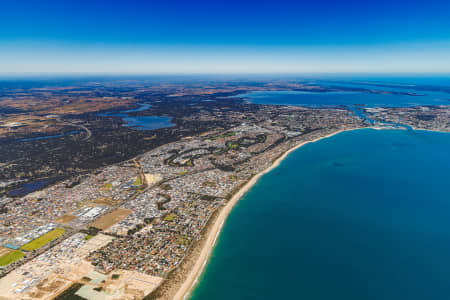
(232, 145)
(69, 294)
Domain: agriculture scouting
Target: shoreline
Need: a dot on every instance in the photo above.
(186, 288)
(429, 130)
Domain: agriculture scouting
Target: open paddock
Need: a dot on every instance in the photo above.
(4, 250)
(65, 219)
(110, 219)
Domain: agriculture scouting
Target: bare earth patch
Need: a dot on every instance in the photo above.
(4, 251)
(111, 218)
(65, 219)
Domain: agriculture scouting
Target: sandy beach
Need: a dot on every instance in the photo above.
(193, 275)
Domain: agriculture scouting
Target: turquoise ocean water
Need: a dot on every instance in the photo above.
(364, 214)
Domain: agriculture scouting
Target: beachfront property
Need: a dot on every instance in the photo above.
(155, 206)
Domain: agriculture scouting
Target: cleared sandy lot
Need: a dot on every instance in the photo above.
(111, 218)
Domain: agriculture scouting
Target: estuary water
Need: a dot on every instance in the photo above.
(140, 122)
(370, 92)
(364, 214)
(314, 99)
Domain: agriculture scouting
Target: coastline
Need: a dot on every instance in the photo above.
(184, 291)
(430, 130)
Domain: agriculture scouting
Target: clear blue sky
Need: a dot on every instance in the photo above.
(224, 36)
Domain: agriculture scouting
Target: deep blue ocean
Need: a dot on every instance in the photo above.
(364, 214)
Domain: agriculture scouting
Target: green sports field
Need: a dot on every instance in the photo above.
(10, 257)
(43, 239)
